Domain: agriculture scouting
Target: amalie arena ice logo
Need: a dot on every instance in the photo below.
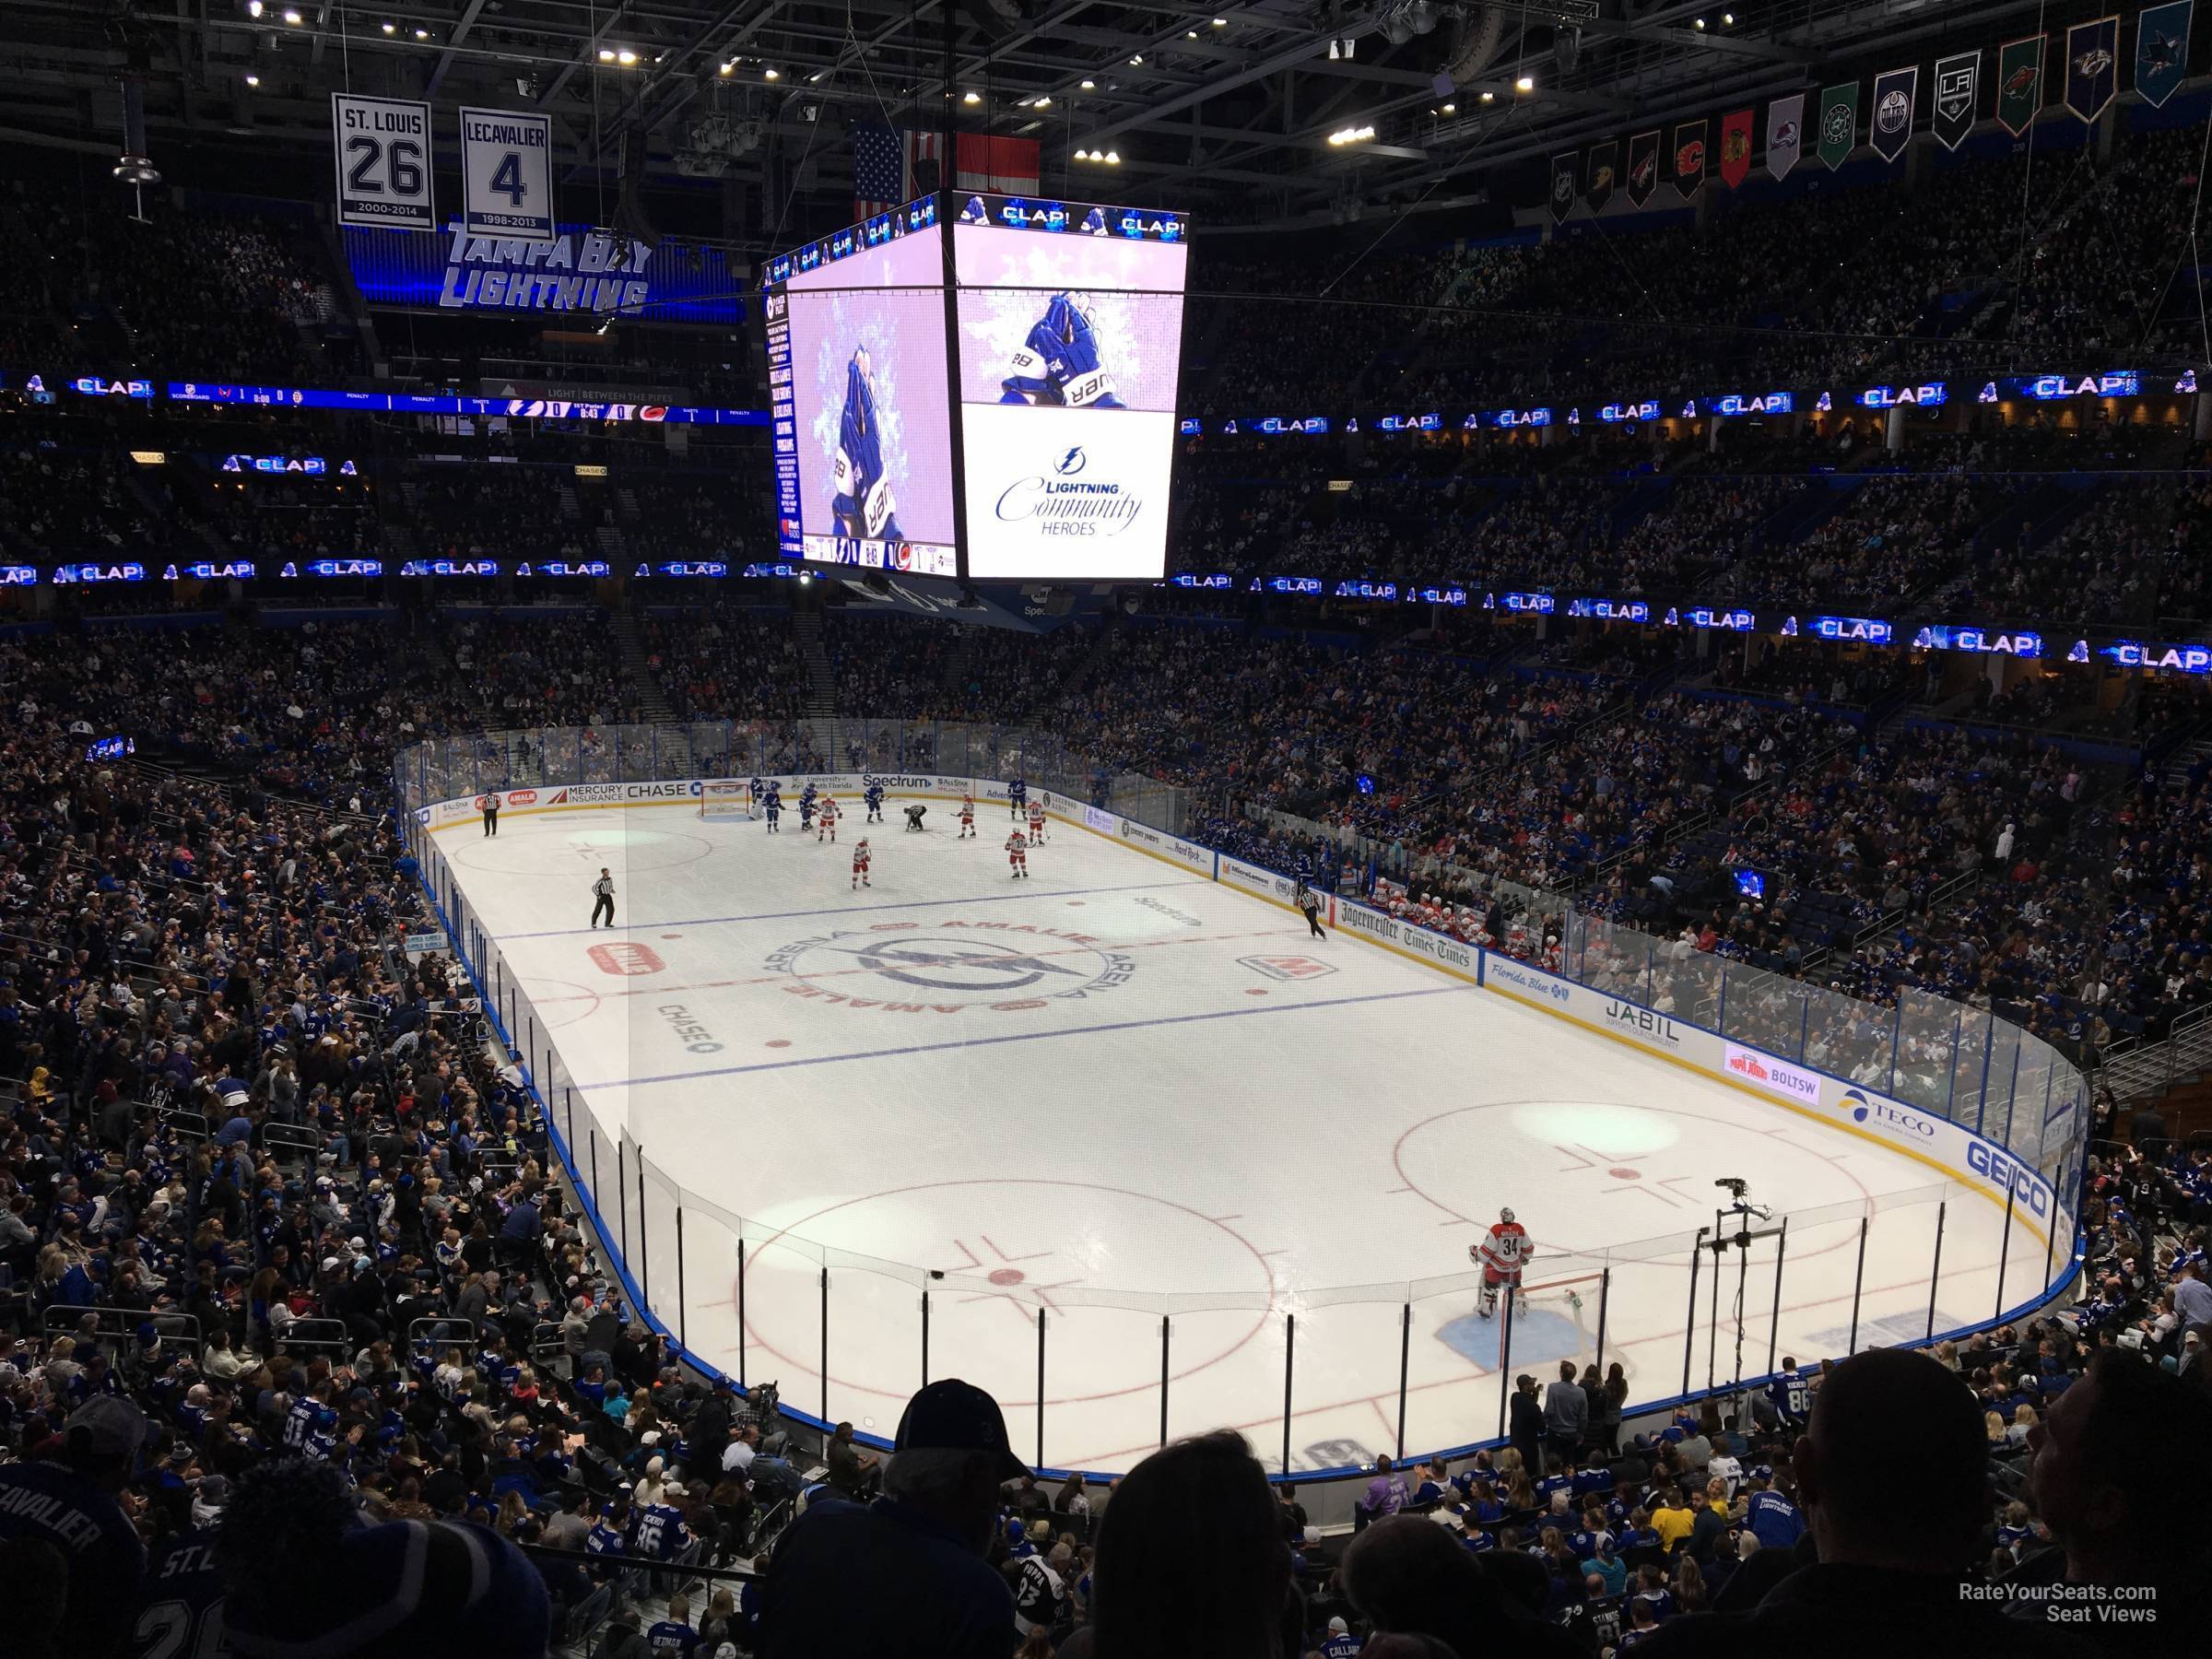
(950, 967)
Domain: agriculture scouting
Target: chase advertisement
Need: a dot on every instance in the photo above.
(866, 399)
(1070, 333)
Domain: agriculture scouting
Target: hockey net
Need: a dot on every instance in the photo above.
(725, 799)
(1556, 1319)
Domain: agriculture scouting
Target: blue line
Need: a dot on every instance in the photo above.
(853, 910)
(926, 1047)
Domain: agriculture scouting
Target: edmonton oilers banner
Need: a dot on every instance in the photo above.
(593, 273)
(2162, 49)
(2092, 66)
(1892, 128)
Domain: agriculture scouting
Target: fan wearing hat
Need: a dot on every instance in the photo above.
(905, 1575)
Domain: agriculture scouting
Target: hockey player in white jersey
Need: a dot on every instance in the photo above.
(1504, 1252)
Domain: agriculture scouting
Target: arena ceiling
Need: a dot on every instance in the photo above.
(1226, 112)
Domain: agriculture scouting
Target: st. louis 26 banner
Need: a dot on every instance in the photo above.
(1598, 186)
(1839, 123)
(1892, 128)
(1786, 134)
(1643, 168)
(2020, 82)
(383, 148)
(2092, 66)
(1958, 90)
(2162, 49)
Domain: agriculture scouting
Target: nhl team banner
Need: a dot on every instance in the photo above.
(1892, 128)
(384, 155)
(1735, 148)
(1643, 168)
(1689, 158)
(1786, 134)
(2092, 66)
(2020, 82)
(1600, 185)
(507, 175)
(2162, 49)
(1839, 123)
(1563, 172)
(1958, 90)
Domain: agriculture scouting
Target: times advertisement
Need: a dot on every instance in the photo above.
(863, 405)
(1070, 327)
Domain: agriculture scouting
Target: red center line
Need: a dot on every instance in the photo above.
(784, 979)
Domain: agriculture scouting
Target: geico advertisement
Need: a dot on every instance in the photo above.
(1065, 494)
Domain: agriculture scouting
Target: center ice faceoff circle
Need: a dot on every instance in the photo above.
(951, 967)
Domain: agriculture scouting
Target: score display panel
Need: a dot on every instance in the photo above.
(1058, 354)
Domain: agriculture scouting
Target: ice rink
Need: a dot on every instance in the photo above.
(1118, 1092)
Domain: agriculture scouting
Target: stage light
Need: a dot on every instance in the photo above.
(1527, 83)
(1089, 84)
(973, 98)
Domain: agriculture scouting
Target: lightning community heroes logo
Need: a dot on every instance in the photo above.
(1067, 503)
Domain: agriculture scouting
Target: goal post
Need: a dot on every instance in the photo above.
(1555, 1319)
(725, 799)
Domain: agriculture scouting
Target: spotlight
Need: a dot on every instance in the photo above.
(253, 81)
(254, 8)
(1113, 157)
(1088, 85)
(1451, 108)
(1136, 57)
(626, 58)
(771, 75)
(1527, 83)
(727, 68)
(390, 28)
(1727, 19)
(973, 98)
(1043, 104)
(291, 16)
(1489, 96)
(1190, 35)
(422, 34)
(607, 54)
(1699, 24)
(1221, 22)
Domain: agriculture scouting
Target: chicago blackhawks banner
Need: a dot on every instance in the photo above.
(1958, 85)
(1786, 134)
(2162, 49)
(1735, 148)
(1562, 184)
(1689, 158)
(2020, 82)
(1892, 128)
(1643, 168)
(1599, 189)
(2092, 66)
(1839, 123)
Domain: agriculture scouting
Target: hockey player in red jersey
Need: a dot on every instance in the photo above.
(1036, 823)
(860, 862)
(825, 816)
(1504, 1252)
(966, 816)
(1017, 854)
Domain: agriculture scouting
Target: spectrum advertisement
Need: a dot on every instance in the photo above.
(860, 406)
(1069, 324)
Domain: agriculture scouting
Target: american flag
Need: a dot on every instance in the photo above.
(878, 168)
(890, 166)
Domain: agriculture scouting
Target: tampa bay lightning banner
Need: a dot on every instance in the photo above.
(1958, 90)
(2092, 66)
(1892, 128)
(1562, 184)
(2162, 49)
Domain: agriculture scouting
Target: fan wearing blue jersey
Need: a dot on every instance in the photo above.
(1058, 363)
(864, 505)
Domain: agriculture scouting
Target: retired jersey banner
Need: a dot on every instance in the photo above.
(1839, 123)
(1563, 170)
(2020, 82)
(2092, 66)
(507, 175)
(1689, 158)
(383, 151)
(1643, 168)
(1958, 90)
(2162, 49)
(1735, 148)
(1598, 187)
(1892, 128)
(1785, 135)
